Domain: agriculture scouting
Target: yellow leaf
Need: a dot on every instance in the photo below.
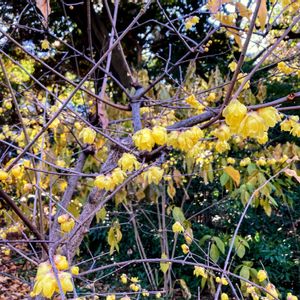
(292, 173)
(214, 5)
(171, 190)
(244, 11)
(100, 215)
(262, 14)
(234, 174)
(164, 266)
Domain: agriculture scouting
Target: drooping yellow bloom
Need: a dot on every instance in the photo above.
(75, 270)
(118, 176)
(153, 175)
(173, 139)
(296, 130)
(111, 297)
(17, 171)
(3, 175)
(211, 97)
(261, 275)
(63, 218)
(185, 248)
(145, 293)
(270, 115)
(222, 146)
(224, 296)
(123, 278)
(68, 225)
(134, 279)
(222, 280)
(252, 126)
(158, 295)
(234, 113)
(222, 133)
(45, 285)
(159, 134)
(143, 139)
(261, 161)
(272, 290)
(192, 101)
(100, 182)
(66, 282)
(232, 66)
(177, 227)
(290, 296)
(263, 139)
(245, 162)
(200, 271)
(61, 262)
(128, 162)
(288, 124)
(230, 160)
(191, 21)
(284, 68)
(134, 287)
(88, 135)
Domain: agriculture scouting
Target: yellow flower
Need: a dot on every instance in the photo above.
(185, 248)
(245, 162)
(158, 295)
(45, 44)
(111, 297)
(252, 126)
(271, 161)
(296, 130)
(66, 282)
(63, 218)
(134, 287)
(222, 146)
(153, 175)
(270, 115)
(230, 160)
(45, 286)
(143, 139)
(272, 290)
(222, 280)
(263, 139)
(128, 162)
(261, 275)
(159, 134)
(145, 293)
(191, 21)
(232, 66)
(211, 97)
(234, 113)
(224, 296)
(173, 139)
(125, 298)
(192, 101)
(68, 225)
(61, 262)
(290, 296)
(17, 171)
(200, 271)
(284, 68)
(88, 135)
(177, 227)
(75, 270)
(134, 279)
(100, 182)
(261, 161)
(118, 176)
(288, 124)
(123, 278)
(222, 133)
(3, 175)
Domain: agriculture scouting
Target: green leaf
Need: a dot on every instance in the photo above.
(214, 253)
(178, 214)
(240, 251)
(251, 168)
(100, 215)
(245, 273)
(219, 243)
(204, 239)
(203, 282)
(224, 178)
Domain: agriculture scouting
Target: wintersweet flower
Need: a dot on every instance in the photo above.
(290, 296)
(230, 160)
(173, 139)
(222, 146)
(263, 139)
(272, 290)
(111, 297)
(134, 279)
(45, 285)
(177, 227)
(224, 296)
(66, 281)
(117, 176)
(143, 139)
(134, 287)
(185, 248)
(222, 280)
(296, 130)
(153, 175)
(245, 162)
(222, 133)
(191, 21)
(261, 275)
(3, 175)
(61, 262)
(159, 135)
(124, 278)
(261, 161)
(88, 135)
(145, 293)
(200, 271)
(270, 115)
(128, 162)
(234, 113)
(68, 225)
(252, 126)
(284, 68)
(75, 270)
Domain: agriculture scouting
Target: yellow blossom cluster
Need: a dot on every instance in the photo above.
(153, 175)
(88, 135)
(134, 284)
(145, 139)
(191, 21)
(262, 275)
(110, 181)
(66, 222)
(200, 271)
(128, 162)
(291, 125)
(253, 124)
(284, 68)
(194, 103)
(222, 280)
(45, 281)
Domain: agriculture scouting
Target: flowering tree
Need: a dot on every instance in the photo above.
(137, 122)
